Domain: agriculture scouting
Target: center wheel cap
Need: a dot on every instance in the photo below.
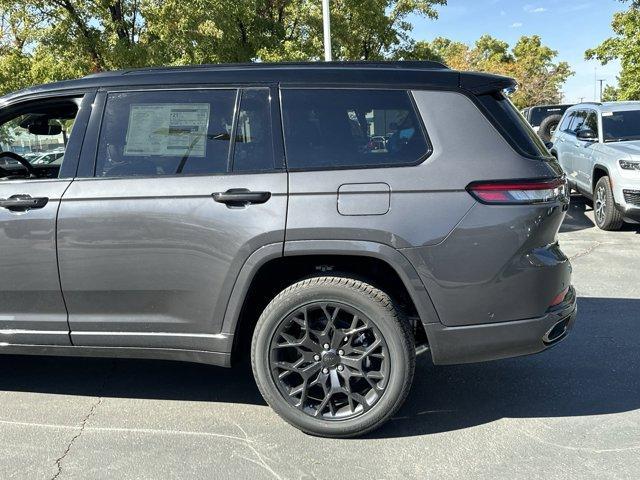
(330, 359)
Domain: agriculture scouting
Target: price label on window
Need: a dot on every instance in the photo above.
(167, 129)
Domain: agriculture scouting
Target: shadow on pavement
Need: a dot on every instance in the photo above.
(125, 378)
(576, 218)
(595, 371)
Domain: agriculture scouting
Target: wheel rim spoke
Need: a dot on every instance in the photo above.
(600, 204)
(329, 360)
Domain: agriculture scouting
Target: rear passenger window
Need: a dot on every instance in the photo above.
(347, 128)
(253, 149)
(166, 133)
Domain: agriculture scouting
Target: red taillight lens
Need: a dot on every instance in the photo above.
(557, 300)
(519, 192)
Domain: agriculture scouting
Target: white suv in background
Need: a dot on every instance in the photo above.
(598, 146)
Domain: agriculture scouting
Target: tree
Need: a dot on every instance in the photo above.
(45, 40)
(610, 94)
(540, 80)
(530, 62)
(625, 46)
(6, 137)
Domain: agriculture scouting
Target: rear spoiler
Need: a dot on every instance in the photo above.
(485, 83)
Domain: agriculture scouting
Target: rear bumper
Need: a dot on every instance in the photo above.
(492, 341)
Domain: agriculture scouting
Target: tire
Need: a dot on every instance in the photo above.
(301, 313)
(605, 213)
(548, 126)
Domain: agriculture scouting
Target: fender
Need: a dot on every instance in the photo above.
(393, 257)
(596, 166)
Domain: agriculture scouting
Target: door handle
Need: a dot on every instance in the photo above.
(21, 203)
(241, 197)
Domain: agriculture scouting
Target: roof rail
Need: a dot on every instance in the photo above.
(400, 65)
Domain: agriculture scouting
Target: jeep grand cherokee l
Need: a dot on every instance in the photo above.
(598, 146)
(217, 213)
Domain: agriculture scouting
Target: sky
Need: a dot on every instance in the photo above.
(568, 26)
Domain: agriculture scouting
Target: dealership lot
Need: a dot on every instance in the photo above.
(571, 412)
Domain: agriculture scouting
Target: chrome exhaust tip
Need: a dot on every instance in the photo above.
(557, 332)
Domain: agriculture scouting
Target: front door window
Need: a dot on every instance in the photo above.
(34, 138)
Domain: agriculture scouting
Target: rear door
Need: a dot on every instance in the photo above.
(177, 189)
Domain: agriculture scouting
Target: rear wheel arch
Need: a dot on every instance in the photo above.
(312, 373)
(260, 281)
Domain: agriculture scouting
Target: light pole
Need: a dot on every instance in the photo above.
(326, 24)
(601, 80)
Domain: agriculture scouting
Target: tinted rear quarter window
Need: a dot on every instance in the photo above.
(350, 128)
(513, 125)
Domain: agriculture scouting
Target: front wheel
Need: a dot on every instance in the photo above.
(333, 356)
(606, 214)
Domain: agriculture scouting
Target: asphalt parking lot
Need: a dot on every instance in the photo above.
(570, 412)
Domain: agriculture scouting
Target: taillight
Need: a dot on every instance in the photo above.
(517, 192)
(558, 299)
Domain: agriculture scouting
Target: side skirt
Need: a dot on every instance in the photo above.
(196, 356)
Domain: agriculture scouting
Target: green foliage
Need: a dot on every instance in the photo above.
(45, 40)
(540, 79)
(610, 94)
(6, 137)
(530, 62)
(625, 46)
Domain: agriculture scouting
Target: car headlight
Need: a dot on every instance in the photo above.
(627, 165)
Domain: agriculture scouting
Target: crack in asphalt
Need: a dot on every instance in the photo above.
(83, 424)
(587, 251)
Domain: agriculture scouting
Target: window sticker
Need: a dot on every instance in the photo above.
(607, 114)
(167, 129)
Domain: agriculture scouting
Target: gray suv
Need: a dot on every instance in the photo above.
(598, 146)
(327, 221)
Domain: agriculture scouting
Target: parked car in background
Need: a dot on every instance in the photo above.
(326, 221)
(32, 156)
(598, 146)
(545, 118)
(47, 158)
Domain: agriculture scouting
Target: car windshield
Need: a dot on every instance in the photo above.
(621, 126)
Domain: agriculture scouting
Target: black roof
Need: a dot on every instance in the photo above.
(402, 73)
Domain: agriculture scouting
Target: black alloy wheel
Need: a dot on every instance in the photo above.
(329, 360)
(333, 356)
